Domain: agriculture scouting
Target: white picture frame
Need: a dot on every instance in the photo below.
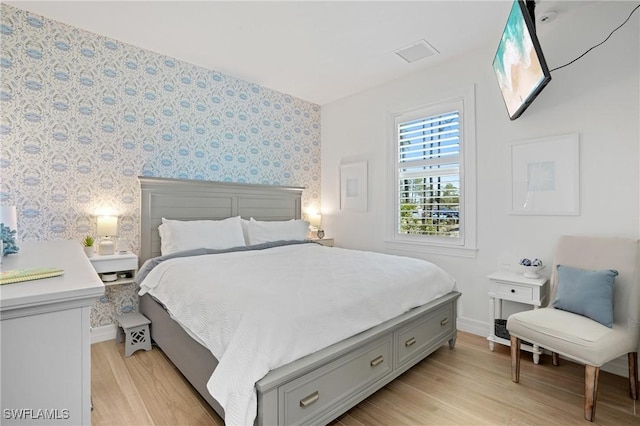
(353, 186)
(544, 176)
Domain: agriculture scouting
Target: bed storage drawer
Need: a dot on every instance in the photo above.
(416, 337)
(313, 393)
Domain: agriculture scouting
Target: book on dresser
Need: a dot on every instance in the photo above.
(28, 274)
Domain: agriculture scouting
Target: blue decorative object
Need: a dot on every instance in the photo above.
(8, 238)
(530, 268)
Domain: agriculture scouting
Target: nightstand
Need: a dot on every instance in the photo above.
(124, 266)
(516, 288)
(328, 242)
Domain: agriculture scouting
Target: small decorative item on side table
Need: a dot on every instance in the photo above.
(8, 230)
(514, 287)
(123, 245)
(88, 245)
(530, 268)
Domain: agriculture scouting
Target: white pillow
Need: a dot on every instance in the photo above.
(180, 235)
(264, 232)
(245, 230)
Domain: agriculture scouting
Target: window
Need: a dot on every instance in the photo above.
(429, 175)
(433, 167)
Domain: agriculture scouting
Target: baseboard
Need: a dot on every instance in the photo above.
(103, 333)
(618, 366)
(472, 326)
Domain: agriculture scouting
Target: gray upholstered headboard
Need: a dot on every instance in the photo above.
(183, 199)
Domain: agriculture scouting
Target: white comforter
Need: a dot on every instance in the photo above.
(259, 310)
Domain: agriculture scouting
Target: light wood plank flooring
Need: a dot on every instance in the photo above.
(469, 385)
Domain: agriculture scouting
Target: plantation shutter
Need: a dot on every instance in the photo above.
(429, 175)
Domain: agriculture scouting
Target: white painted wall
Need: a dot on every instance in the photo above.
(597, 97)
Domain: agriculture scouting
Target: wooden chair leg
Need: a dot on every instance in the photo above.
(555, 358)
(591, 375)
(515, 359)
(633, 374)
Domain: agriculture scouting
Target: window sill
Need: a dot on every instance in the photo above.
(430, 248)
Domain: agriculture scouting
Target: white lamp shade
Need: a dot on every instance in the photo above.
(8, 217)
(107, 225)
(315, 219)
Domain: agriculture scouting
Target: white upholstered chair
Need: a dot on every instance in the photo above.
(576, 336)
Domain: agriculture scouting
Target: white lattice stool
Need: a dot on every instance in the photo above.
(136, 328)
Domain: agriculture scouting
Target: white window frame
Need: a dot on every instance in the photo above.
(463, 101)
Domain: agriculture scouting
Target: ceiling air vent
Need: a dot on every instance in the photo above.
(416, 51)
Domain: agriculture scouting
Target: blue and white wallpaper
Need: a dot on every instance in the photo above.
(83, 115)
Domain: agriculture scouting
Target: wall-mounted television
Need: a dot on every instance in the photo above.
(519, 64)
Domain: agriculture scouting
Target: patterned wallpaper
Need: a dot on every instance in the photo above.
(83, 115)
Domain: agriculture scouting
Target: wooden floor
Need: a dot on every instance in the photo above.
(469, 385)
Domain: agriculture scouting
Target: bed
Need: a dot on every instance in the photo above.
(322, 385)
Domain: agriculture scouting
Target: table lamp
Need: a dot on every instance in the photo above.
(107, 227)
(315, 219)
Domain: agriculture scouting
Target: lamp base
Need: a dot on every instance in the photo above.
(106, 247)
(320, 233)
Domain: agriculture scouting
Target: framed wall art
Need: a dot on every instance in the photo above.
(353, 186)
(544, 176)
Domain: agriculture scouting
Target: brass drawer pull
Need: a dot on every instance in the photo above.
(410, 342)
(308, 400)
(444, 322)
(377, 361)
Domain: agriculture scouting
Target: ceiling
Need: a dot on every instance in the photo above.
(318, 51)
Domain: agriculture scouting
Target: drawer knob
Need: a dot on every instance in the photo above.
(513, 290)
(377, 361)
(444, 322)
(308, 400)
(410, 342)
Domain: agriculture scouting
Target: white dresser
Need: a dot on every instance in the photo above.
(45, 337)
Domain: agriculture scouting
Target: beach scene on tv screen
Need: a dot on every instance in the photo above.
(516, 64)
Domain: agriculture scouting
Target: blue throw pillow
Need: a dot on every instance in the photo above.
(587, 293)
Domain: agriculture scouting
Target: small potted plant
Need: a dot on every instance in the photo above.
(88, 245)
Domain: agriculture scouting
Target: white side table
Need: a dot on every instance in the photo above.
(124, 265)
(514, 287)
(326, 241)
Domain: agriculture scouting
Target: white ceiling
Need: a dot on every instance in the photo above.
(318, 51)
